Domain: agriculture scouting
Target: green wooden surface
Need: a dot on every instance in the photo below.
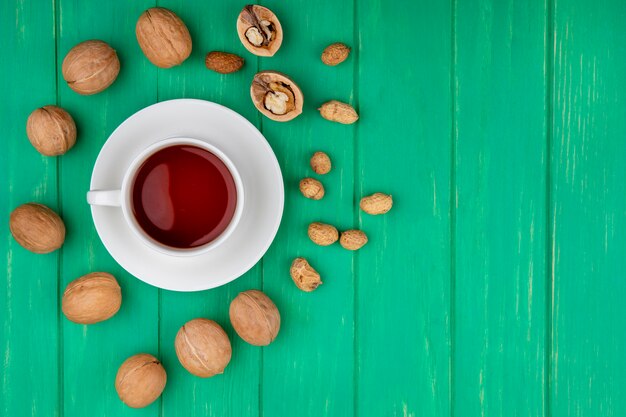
(494, 287)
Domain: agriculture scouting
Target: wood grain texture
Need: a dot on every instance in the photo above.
(309, 369)
(588, 209)
(500, 161)
(29, 375)
(236, 392)
(403, 274)
(92, 354)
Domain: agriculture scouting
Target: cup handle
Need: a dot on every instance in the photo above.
(111, 198)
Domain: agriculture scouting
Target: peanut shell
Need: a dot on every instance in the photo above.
(304, 275)
(323, 234)
(377, 203)
(335, 54)
(339, 112)
(320, 162)
(312, 188)
(353, 239)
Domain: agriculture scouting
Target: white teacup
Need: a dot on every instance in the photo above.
(122, 198)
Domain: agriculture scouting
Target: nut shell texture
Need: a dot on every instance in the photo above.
(335, 54)
(223, 62)
(353, 239)
(339, 112)
(276, 96)
(90, 67)
(312, 188)
(92, 298)
(304, 276)
(163, 37)
(323, 234)
(203, 347)
(140, 380)
(37, 228)
(259, 30)
(255, 317)
(320, 163)
(51, 130)
(377, 203)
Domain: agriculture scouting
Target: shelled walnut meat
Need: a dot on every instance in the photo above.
(276, 96)
(304, 275)
(37, 228)
(203, 347)
(163, 37)
(51, 130)
(92, 298)
(140, 380)
(90, 67)
(259, 30)
(255, 317)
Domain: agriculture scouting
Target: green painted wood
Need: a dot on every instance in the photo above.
(500, 189)
(587, 209)
(92, 354)
(236, 392)
(309, 369)
(29, 376)
(403, 274)
(469, 299)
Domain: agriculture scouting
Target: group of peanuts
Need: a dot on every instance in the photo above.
(303, 274)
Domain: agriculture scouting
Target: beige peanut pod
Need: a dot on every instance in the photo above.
(377, 203)
(323, 234)
(353, 239)
(339, 112)
(304, 275)
(320, 163)
(312, 188)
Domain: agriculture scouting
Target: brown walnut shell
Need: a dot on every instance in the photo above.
(255, 317)
(140, 380)
(37, 228)
(276, 96)
(90, 67)
(203, 347)
(51, 130)
(92, 298)
(259, 30)
(163, 37)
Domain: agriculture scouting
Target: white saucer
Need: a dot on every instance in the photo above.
(249, 152)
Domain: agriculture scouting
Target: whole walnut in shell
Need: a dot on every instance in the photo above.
(37, 228)
(92, 298)
(163, 37)
(203, 347)
(259, 30)
(140, 380)
(276, 96)
(304, 275)
(51, 130)
(255, 317)
(323, 234)
(311, 188)
(90, 67)
(320, 162)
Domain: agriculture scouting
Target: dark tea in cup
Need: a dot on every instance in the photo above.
(183, 196)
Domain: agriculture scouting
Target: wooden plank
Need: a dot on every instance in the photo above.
(500, 148)
(588, 208)
(309, 369)
(92, 354)
(236, 392)
(403, 274)
(28, 283)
